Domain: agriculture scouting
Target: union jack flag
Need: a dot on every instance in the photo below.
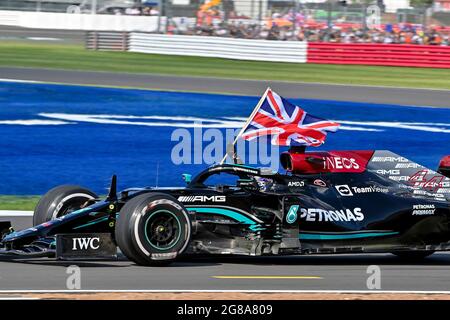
(286, 124)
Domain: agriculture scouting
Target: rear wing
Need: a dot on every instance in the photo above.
(419, 178)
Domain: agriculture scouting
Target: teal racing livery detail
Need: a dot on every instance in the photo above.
(343, 236)
(102, 219)
(291, 216)
(230, 213)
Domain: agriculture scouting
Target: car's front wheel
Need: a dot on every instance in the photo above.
(153, 229)
(60, 201)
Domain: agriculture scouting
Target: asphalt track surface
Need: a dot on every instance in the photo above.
(339, 272)
(398, 96)
(45, 35)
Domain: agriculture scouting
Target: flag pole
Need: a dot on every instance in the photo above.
(255, 110)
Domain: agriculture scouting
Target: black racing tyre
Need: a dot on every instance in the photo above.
(153, 229)
(413, 255)
(60, 201)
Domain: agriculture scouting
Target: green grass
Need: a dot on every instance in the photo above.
(18, 202)
(77, 58)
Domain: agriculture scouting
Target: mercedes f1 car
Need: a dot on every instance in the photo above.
(325, 202)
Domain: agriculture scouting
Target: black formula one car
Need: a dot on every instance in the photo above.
(326, 202)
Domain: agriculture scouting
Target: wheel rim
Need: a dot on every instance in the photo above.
(162, 230)
(71, 204)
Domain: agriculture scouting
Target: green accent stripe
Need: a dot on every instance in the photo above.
(320, 236)
(92, 222)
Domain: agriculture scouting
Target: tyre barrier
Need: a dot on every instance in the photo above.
(106, 41)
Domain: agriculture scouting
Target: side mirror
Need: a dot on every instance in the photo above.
(187, 177)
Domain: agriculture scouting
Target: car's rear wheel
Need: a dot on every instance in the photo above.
(153, 229)
(413, 255)
(60, 201)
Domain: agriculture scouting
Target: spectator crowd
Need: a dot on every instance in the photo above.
(336, 34)
(299, 27)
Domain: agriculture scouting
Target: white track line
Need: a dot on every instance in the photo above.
(14, 213)
(230, 291)
(44, 39)
(19, 80)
